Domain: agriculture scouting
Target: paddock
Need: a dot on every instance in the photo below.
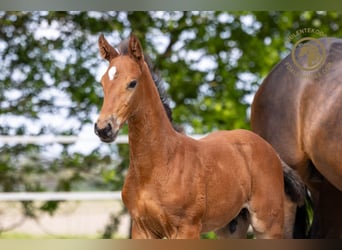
(82, 215)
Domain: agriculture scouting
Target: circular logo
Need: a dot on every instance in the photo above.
(308, 54)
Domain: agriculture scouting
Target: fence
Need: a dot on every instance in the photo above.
(42, 139)
(54, 196)
(60, 196)
(45, 139)
(93, 208)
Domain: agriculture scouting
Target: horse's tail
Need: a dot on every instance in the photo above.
(296, 192)
(301, 227)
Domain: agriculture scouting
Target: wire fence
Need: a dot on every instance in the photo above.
(65, 196)
(78, 210)
(60, 196)
(63, 139)
(45, 139)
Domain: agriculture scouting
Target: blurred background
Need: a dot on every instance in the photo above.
(211, 64)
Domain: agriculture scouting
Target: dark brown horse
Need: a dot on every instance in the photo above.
(178, 187)
(300, 114)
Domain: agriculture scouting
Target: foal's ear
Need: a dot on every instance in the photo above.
(106, 50)
(135, 49)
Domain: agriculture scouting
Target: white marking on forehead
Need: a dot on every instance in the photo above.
(111, 73)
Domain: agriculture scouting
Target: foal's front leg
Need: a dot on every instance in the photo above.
(185, 231)
(140, 233)
(188, 232)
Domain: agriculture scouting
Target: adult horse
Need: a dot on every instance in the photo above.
(300, 114)
(178, 187)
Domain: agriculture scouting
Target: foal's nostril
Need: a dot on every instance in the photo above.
(104, 132)
(108, 129)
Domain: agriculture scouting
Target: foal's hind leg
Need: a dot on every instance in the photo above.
(267, 219)
(266, 206)
(237, 228)
(290, 209)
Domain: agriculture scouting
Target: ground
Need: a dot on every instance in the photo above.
(74, 219)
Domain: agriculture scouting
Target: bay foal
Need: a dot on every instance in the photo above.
(178, 187)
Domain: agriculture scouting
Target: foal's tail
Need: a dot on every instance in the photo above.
(296, 191)
(294, 186)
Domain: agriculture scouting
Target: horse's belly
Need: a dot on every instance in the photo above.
(223, 205)
(329, 166)
(324, 147)
(219, 214)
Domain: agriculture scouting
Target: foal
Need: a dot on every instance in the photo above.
(178, 187)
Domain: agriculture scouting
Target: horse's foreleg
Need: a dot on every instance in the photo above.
(188, 232)
(138, 232)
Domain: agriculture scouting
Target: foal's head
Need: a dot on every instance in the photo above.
(120, 83)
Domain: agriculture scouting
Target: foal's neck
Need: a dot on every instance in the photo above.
(151, 135)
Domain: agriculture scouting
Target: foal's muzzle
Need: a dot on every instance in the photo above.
(106, 134)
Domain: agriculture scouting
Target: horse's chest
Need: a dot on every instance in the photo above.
(146, 204)
(150, 216)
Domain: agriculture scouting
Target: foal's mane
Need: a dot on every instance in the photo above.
(123, 50)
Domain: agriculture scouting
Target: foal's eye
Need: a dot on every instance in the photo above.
(132, 84)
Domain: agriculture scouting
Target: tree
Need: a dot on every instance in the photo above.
(211, 62)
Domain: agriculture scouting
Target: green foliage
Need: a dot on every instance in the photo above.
(209, 236)
(211, 62)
